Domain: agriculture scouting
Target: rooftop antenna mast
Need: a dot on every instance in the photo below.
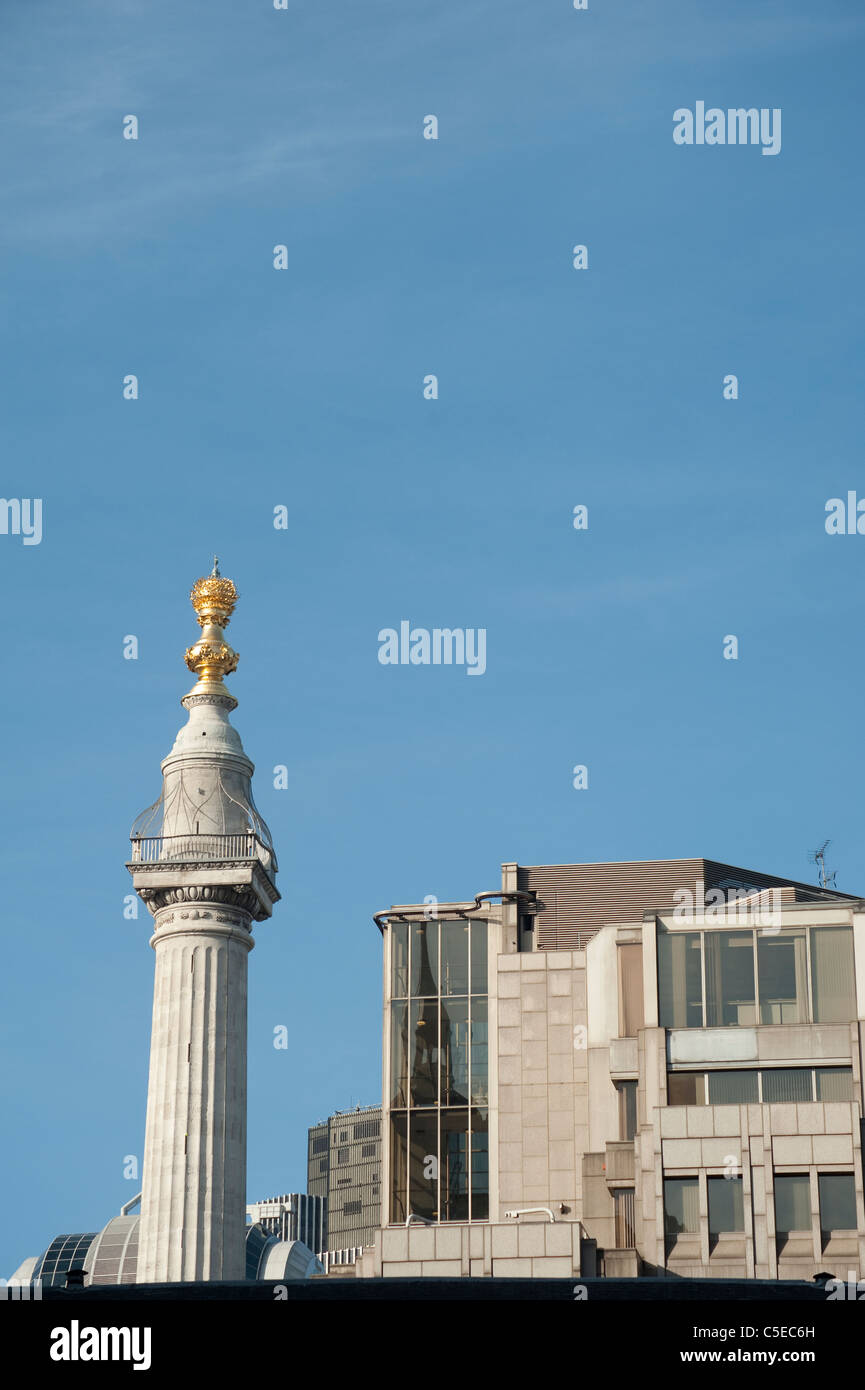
(818, 857)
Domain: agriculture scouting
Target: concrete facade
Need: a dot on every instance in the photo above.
(588, 1151)
(344, 1172)
(536, 1250)
(292, 1216)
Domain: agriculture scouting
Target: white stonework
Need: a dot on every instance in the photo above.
(204, 865)
(193, 1206)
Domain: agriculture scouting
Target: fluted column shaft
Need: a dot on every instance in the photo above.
(193, 1206)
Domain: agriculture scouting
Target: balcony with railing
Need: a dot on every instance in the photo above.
(195, 849)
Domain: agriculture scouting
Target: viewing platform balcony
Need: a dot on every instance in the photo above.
(195, 849)
(239, 863)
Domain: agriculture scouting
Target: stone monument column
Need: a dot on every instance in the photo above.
(203, 863)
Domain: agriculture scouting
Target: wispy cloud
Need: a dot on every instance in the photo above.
(622, 590)
(309, 102)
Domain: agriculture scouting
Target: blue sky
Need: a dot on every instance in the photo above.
(304, 388)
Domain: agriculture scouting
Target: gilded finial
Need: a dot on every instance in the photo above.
(211, 658)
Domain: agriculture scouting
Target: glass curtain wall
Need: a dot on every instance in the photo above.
(439, 1081)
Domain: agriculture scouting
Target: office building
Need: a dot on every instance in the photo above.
(643, 1069)
(293, 1216)
(344, 1169)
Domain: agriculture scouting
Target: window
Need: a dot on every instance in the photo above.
(837, 1202)
(627, 1109)
(786, 1084)
(832, 974)
(398, 1166)
(424, 1051)
(726, 1207)
(479, 1051)
(733, 1088)
(342, 1155)
(399, 1054)
(834, 1083)
(525, 932)
(422, 1162)
(369, 1129)
(680, 980)
(686, 1088)
(455, 1052)
(399, 960)
(455, 957)
(783, 977)
(730, 994)
(352, 1209)
(480, 1188)
(792, 1203)
(368, 1151)
(319, 1146)
(623, 1206)
(681, 1206)
(789, 976)
(777, 1085)
(322, 1165)
(455, 1165)
(630, 990)
(479, 957)
(424, 959)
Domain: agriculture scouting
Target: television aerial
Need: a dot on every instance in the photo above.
(818, 857)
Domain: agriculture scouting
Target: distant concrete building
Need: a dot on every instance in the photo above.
(638, 1069)
(293, 1216)
(344, 1169)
